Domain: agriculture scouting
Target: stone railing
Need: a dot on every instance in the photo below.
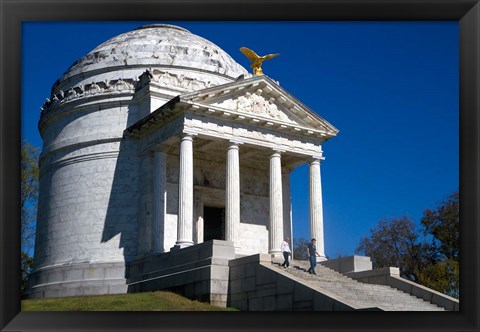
(360, 268)
(391, 276)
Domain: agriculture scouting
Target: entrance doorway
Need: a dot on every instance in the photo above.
(213, 223)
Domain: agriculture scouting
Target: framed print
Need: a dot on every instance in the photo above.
(196, 116)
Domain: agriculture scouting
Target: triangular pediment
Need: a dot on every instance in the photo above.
(263, 99)
(258, 101)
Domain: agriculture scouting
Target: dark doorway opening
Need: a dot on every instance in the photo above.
(213, 223)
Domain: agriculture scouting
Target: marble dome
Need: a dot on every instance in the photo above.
(155, 46)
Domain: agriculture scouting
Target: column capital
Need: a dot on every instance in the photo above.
(316, 159)
(235, 141)
(232, 143)
(277, 152)
(186, 136)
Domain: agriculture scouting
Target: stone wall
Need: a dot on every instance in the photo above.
(88, 183)
(349, 264)
(88, 202)
(256, 286)
(199, 272)
(77, 280)
(253, 239)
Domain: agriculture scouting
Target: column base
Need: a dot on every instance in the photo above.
(322, 259)
(276, 254)
(181, 245)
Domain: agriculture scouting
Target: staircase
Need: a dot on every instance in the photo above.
(357, 293)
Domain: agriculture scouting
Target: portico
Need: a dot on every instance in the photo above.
(226, 153)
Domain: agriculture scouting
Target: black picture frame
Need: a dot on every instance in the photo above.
(13, 13)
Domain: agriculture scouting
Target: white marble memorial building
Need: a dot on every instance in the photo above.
(158, 140)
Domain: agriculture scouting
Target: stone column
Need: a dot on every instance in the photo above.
(316, 207)
(159, 200)
(185, 193)
(232, 194)
(276, 205)
(287, 205)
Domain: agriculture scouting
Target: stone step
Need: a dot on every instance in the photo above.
(358, 293)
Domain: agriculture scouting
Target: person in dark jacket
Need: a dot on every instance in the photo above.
(312, 256)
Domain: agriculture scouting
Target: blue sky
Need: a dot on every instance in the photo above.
(391, 88)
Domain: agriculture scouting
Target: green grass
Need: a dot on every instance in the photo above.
(154, 301)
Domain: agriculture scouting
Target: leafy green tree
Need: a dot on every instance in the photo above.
(444, 225)
(395, 243)
(429, 256)
(26, 267)
(299, 246)
(29, 192)
(28, 201)
(442, 276)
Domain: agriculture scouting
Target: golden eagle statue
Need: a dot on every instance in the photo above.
(256, 60)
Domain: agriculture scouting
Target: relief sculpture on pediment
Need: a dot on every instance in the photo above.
(256, 103)
(244, 103)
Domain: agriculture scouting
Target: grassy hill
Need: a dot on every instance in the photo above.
(154, 301)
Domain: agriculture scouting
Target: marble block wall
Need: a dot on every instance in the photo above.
(88, 204)
(88, 187)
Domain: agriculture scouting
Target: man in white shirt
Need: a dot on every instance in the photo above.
(285, 248)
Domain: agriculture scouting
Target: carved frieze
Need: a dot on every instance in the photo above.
(170, 80)
(92, 89)
(120, 85)
(257, 104)
(251, 135)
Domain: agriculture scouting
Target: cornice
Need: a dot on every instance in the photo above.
(94, 89)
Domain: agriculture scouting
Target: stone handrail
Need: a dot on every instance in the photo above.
(391, 276)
